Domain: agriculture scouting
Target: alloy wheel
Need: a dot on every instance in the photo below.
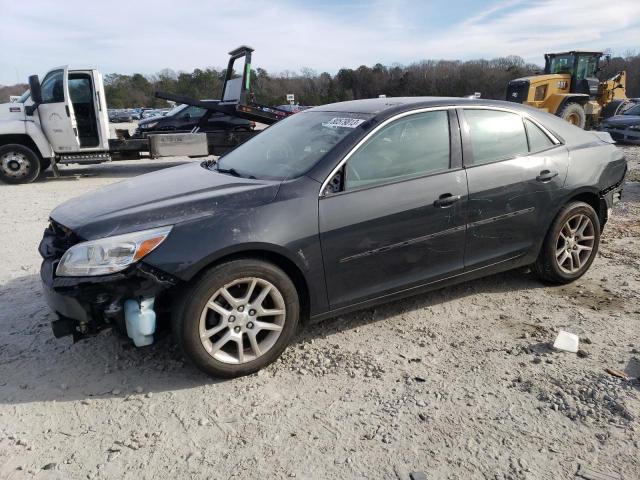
(574, 245)
(242, 320)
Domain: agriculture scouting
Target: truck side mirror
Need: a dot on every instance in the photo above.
(36, 92)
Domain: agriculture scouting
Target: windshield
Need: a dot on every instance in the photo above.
(292, 146)
(24, 97)
(561, 64)
(633, 111)
(175, 110)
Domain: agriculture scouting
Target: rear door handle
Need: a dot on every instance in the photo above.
(446, 200)
(546, 175)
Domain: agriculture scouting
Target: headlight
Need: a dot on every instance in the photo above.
(111, 254)
(148, 125)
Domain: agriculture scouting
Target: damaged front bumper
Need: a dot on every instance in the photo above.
(86, 305)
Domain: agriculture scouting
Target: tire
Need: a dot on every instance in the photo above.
(220, 354)
(553, 265)
(18, 164)
(574, 113)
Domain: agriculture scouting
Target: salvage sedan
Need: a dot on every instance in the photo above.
(334, 209)
(626, 126)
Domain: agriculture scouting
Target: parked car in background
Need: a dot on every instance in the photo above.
(184, 118)
(626, 126)
(150, 113)
(334, 209)
(120, 117)
(292, 108)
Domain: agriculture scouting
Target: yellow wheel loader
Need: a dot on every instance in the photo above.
(570, 89)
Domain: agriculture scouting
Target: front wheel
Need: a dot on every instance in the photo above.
(574, 114)
(570, 245)
(238, 318)
(18, 164)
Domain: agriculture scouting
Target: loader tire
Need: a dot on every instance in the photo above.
(574, 114)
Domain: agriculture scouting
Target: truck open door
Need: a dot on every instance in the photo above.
(102, 115)
(57, 118)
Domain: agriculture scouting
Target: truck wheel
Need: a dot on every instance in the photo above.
(570, 245)
(574, 114)
(18, 164)
(237, 318)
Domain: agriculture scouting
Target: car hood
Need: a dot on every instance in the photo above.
(622, 120)
(167, 197)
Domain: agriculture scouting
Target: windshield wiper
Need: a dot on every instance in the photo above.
(230, 171)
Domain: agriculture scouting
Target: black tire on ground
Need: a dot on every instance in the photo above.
(191, 303)
(574, 113)
(18, 164)
(547, 265)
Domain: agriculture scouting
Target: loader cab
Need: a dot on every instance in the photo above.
(71, 109)
(582, 66)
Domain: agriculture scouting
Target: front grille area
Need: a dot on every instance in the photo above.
(57, 239)
(518, 91)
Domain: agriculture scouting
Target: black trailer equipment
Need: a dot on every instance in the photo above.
(237, 100)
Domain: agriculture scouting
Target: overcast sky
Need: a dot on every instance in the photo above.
(147, 36)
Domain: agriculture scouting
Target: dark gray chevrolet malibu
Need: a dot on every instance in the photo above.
(333, 209)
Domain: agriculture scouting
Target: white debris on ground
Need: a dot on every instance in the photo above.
(461, 383)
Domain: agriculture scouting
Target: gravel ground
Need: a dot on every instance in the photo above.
(460, 383)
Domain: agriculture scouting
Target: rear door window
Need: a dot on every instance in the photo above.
(495, 135)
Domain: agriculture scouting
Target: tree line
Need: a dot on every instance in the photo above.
(425, 78)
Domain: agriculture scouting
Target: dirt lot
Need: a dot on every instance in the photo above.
(460, 383)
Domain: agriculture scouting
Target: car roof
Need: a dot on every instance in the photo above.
(379, 105)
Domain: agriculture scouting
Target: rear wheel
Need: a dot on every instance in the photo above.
(18, 164)
(570, 245)
(574, 114)
(238, 318)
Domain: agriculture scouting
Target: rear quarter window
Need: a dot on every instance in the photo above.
(538, 140)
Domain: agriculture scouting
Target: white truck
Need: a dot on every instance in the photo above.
(64, 119)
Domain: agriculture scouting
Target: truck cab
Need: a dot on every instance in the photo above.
(62, 118)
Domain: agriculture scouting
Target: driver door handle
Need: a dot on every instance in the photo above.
(546, 175)
(446, 200)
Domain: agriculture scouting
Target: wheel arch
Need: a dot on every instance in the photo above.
(591, 197)
(558, 101)
(270, 254)
(20, 139)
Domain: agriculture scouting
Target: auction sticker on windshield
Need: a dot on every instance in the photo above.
(343, 122)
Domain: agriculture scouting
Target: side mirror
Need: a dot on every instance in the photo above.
(36, 92)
